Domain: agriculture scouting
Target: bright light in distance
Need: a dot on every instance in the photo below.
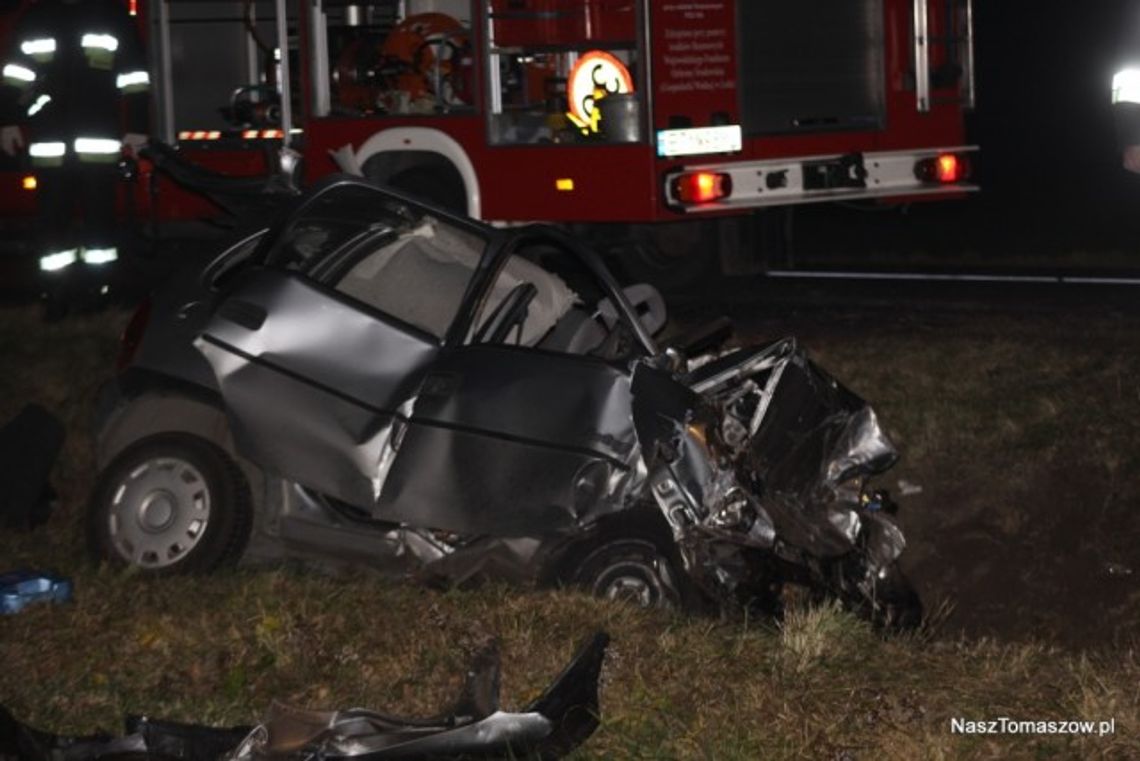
(1126, 86)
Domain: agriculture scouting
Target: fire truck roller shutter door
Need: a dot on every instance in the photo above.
(439, 151)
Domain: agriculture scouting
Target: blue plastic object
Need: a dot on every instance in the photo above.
(21, 588)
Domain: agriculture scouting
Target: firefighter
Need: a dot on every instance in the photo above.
(73, 70)
(1126, 90)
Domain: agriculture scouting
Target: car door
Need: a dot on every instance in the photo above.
(310, 381)
(514, 440)
(314, 361)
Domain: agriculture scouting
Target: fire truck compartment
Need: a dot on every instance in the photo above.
(826, 76)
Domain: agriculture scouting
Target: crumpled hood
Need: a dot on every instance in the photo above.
(797, 435)
(816, 434)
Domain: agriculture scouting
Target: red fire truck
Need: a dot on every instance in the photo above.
(662, 126)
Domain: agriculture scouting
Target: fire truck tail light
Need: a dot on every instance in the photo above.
(701, 187)
(945, 168)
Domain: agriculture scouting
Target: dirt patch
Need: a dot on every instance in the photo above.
(1045, 566)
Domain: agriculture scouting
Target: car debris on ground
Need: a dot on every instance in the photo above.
(19, 589)
(475, 727)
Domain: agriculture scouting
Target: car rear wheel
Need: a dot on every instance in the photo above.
(632, 570)
(170, 504)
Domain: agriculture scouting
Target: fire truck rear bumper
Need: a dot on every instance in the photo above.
(816, 179)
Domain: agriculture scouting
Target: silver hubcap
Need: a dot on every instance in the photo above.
(630, 589)
(159, 512)
(633, 581)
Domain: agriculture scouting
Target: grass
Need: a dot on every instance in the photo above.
(991, 425)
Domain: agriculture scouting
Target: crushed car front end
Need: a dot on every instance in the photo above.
(766, 481)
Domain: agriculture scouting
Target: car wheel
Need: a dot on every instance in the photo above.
(631, 570)
(170, 504)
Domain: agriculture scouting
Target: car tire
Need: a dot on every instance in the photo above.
(168, 504)
(633, 570)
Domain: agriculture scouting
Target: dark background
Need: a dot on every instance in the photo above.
(1044, 119)
(1054, 195)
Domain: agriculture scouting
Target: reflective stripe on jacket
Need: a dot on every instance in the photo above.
(67, 69)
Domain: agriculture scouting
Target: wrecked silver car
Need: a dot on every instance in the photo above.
(372, 380)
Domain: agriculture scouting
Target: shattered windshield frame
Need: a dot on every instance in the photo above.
(554, 244)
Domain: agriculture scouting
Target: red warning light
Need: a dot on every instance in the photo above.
(702, 187)
(949, 168)
(945, 169)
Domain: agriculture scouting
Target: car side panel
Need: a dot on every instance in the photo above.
(311, 382)
(513, 442)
